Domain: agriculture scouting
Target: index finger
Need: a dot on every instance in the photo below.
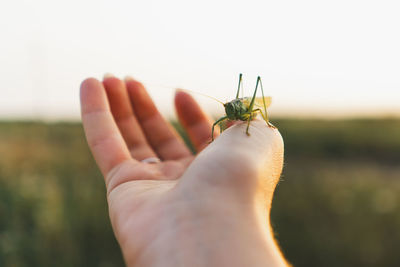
(102, 133)
(196, 123)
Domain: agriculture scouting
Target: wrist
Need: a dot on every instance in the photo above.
(216, 235)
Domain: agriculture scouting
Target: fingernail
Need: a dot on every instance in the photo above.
(108, 75)
(128, 78)
(179, 91)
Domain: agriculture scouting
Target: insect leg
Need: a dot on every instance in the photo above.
(250, 108)
(215, 123)
(254, 95)
(239, 85)
(265, 118)
(221, 127)
(262, 114)
(265, 106)
(248, 125)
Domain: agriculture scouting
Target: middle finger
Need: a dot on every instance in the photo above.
(126, 120)
(160, 134)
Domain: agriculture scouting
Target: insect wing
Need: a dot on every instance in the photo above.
(258, 102)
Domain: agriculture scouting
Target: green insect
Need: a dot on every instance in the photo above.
(245, 108)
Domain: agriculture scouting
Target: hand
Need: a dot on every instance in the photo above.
(208, 210)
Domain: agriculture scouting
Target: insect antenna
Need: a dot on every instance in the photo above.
(194, 92)
(185, 90)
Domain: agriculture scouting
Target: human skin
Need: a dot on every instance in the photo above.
(208, 209)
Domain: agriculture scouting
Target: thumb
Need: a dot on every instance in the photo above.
(236, 160)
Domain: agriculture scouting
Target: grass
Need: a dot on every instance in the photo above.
(338, 203)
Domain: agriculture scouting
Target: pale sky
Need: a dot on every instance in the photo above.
(321, 58)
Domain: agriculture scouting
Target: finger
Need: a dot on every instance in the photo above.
(160, 134)
(196, 123)
(122, 111)
(102, 134)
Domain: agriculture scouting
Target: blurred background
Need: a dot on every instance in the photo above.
(332, 69)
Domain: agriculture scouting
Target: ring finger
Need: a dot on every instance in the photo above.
(126, 120)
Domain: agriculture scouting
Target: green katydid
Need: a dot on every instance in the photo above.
(245, 108)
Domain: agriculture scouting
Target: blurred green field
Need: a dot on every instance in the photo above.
(338, 203)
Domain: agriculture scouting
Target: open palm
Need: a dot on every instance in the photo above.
(150, 203)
